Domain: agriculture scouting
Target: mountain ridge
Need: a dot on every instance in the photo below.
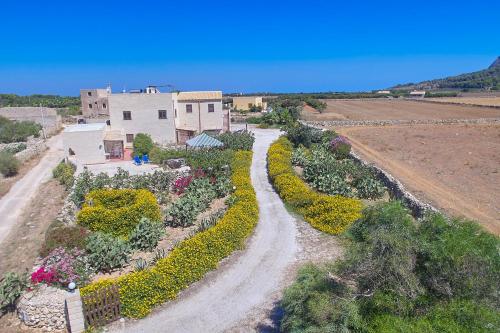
(486, 79)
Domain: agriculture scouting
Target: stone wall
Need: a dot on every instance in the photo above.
(34, 147)
(43, 308)
(349, 123)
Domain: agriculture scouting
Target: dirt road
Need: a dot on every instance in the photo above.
(228, 295)
(13, 203)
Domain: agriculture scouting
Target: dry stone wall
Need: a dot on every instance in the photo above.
(350, 123)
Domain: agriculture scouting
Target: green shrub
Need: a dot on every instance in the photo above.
(12, 286)
(159, 155)
(242, 140)
(454, 317)
(60, 235)
(9, 165)
(107, 252)
(459, 259)
(142, 144)
(316, 303)
(64, 173)
(117, 212)
(211, 161)
(254, 120)
(300, 134)
(198, 196)
(17, 131)
(193, 257)
(301, 156)
(15, 148)
(383, 258)
(146, 234)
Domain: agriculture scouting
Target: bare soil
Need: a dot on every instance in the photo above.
(455, 168)
(486, 101)
(395, 109)
(19, 250)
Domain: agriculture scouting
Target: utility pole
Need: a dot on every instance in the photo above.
(43, 123)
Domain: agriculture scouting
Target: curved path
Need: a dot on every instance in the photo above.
(13, 203)
(227, 296)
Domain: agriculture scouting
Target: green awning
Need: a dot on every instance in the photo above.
(203, 141)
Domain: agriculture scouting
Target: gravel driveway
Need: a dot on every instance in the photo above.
(245, 280)
(13, 203)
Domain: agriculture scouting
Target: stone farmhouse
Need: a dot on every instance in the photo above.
(169, 118)
(245, 103)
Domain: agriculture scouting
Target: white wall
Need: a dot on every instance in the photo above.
(144, 109)
(191, 121)
(87, 145)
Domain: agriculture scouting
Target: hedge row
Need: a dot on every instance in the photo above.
(117, 212)
(330, 214)
(193, 258)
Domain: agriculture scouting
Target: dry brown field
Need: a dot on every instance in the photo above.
(455, 168)
(396, 109)
(486, 101)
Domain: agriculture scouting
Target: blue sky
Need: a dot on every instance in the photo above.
(287, 46)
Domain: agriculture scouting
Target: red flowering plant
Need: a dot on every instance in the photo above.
(63, 266)
(181, 184)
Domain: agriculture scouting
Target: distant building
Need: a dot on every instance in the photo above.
(417, 94)
(244, 103)
(95, 102)
(47, 117)
(384, 92)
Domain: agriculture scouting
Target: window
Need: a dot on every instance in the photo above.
(211, 108)
(89, 93)
(103, 105)
(90, 105)
(189, 108)
(175, 111)
(162, 114)
(127, 115)
(130, 138)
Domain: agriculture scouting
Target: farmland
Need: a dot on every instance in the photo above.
(395, 109)
(484, 101)
(453, 167)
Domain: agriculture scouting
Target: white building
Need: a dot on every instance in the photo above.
(153, 114)
(84, 143)
(169, 118)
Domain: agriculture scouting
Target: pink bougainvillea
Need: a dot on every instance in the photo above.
(182, 183)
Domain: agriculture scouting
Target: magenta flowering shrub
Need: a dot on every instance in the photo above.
(43, 275)
(340, 147)
(181, 184)
(63, 266)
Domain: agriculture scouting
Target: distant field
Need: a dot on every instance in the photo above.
(454, 167)
(395, 109)
(487, 101)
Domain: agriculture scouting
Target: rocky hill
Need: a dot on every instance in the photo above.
(485, 79)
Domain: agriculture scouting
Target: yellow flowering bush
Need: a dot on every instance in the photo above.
(117, 211)
(330, 214)
(194, 257)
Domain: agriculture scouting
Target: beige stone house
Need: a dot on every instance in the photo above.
(95, 102)
(244, 103)
(169, 118)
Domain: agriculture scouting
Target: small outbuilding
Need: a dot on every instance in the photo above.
(84, 143)
(204, 141)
